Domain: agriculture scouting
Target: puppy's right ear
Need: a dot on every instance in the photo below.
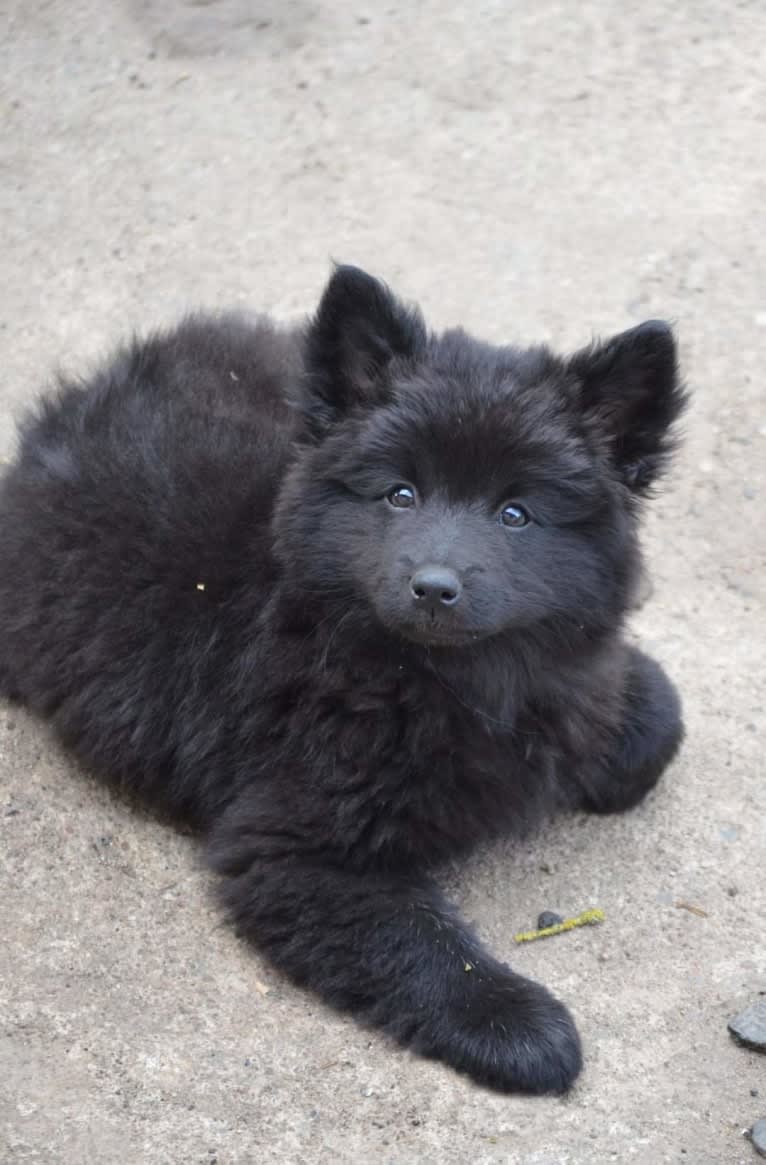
(359, 330)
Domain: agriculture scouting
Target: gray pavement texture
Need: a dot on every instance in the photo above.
(535, 171)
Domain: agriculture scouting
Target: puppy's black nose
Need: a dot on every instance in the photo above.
(437, 585)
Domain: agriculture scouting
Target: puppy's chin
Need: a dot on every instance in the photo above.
(429, 633)
(437, 639)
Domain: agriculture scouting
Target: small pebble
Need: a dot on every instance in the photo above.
(758, 1136)
(548, 918)
(749, 1027)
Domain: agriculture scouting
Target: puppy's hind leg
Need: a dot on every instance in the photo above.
(650, 735)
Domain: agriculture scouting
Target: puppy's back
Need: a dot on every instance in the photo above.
(134, 534)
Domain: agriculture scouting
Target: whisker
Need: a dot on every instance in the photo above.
(510, 725)
(333, 634)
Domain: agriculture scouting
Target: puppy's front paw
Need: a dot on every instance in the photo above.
(508, 1033)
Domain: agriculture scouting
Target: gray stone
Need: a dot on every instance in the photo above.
(548, 918)
(749, 1027)
(758, 1136)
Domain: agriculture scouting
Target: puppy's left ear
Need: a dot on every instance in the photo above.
(630, 393)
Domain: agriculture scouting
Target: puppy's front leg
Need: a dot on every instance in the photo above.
(389, 949)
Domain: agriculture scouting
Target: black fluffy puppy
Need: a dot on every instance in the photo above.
(350, 599)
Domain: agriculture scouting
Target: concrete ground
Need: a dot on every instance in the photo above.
(537, 170)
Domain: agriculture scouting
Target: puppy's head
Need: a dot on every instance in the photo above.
(460, 490)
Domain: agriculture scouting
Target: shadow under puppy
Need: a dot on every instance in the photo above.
(349, 598)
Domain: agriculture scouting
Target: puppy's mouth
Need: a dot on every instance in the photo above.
(429, 626)
(430, 634)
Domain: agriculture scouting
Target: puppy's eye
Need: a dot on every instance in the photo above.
(401, 496)
(514, 516)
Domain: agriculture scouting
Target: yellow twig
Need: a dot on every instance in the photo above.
(692, 909)
(587, 918)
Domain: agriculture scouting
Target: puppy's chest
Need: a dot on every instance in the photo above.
(428, 777)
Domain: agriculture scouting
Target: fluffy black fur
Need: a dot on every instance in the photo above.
(350, 599)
